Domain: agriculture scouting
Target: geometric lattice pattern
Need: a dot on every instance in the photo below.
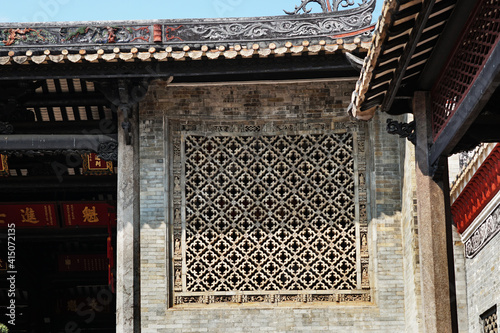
(490, 324)
(270, 213)
(480, 37)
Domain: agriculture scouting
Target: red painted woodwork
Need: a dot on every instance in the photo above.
(28, 215)
(478, 39)
(95, 166)
(88, 214)
(353, 33)
(479, 191)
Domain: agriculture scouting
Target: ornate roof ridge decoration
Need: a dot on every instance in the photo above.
(192, 33)
(127, 54)
(465, 175)
(478, 192)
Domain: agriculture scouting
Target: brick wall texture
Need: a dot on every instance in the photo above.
(483, 283)
(302, 101)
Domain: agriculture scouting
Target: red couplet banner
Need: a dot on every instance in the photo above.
(28, 215)
(88, 214)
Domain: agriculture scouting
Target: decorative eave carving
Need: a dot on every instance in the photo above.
(483, 232)
(467, 172)
(94, 40)
(478, 192)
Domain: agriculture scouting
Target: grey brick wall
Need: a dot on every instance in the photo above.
(303, 101)
(483, 282)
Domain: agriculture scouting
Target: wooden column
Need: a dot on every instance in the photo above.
(433, 219)
(127, 243)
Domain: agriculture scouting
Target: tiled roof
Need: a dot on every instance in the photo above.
(168, 53)
(404, 38)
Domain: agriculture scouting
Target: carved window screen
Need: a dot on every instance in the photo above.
(489, 319)
(269, 217)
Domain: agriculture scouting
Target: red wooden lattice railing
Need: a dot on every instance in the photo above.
(478, 192)
(479, 38)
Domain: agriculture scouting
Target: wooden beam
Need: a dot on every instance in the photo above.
(105, 126)
(65, 99)
(216, 70)
(408, 52)
(18, 184)
(91, 142)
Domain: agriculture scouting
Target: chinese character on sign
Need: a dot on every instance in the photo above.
(2, 215)
(90, 215)
(28, 216)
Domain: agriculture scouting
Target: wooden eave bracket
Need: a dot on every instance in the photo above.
(125, 96)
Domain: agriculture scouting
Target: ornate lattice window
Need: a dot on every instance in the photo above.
(269, 213)
(489, 319)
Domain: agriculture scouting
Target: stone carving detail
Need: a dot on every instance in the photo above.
(466, 157)
(354, 298)
(177, 249)
(108, 151)
(177, 219)
(75, 35)
(281, 28)
(178, 279)
(483, 234)
(15, 36)
(106, 34)
(273, 298)
(365, 281)
(364, 245)
(245, 31)
(268, 208)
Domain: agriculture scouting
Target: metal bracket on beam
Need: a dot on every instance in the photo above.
(404, 130)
